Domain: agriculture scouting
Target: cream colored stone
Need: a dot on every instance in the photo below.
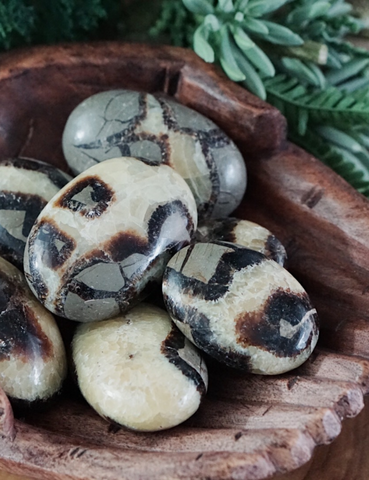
(125, 376)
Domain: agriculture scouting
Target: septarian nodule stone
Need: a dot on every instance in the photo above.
(240, 307)
(245, 233)
(107, 236)
(158, 130)
(139, 370)
(32, 356)
(26, 185)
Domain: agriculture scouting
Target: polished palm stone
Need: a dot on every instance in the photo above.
(245, 233)
(240, 307)
(139, 370)
(32, 356)
(159, 131)
(26, 185)
(105, 238)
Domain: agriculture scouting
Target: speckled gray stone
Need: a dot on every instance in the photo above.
(158, 130)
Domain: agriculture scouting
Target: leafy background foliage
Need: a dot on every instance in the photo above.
(50, 21)
(293, 53)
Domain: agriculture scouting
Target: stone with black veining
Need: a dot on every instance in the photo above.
(32, 356)
(245, 233)
(159, 131)
(106, 237)
(240, 307)
(26, 185)
(139, 370)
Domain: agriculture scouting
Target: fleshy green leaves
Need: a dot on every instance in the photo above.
(255, 26)
(258, 8)
(226, 5)
(200, 7)
(304, 14)
(241, 38)
(227, 58)
(281, 35)
(201, 45)
(293, 54)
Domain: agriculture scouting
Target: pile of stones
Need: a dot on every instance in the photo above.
(148, 210)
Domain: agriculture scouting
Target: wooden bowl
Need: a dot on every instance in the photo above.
(249, 427)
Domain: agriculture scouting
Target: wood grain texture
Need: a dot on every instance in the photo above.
(249, 427)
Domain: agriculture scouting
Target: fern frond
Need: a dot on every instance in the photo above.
(342, 161)
(329, 106)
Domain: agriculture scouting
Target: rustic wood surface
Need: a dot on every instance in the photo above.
(249, 427)
(344, 459)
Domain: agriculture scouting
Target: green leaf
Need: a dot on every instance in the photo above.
(241, 38)
(318, 74)
(330, 106)
(227, 59)
(260, 60)
(302, 15)
(226, 5)
(241, 5)
(346, 164)
(347, 71)
(253, 81)
(255, 26)
(281, 35)
(339, 9)
(303, 118)
(200, 7)
(333, 60)
(354, 84)
(300, 70)
(339, 138)
(211, 22)
(201, 45)
(258, 8)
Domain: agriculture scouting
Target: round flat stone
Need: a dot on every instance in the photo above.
(32, 356)
(139, 370)
(26, 185)
(105, 238)
(240, 307)
(245, 233)
(158, 130)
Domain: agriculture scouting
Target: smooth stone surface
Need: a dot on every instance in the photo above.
(32, 356)
(240, 307)
(107, 236)
(139, 370)
(26, 185)
(159, 131)
(244, 233)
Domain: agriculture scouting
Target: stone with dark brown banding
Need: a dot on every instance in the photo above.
(26, 185)
(245, 233)
(32, 357)
(158, 130)
(139, 370)
(240, 307)
(106, 237)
